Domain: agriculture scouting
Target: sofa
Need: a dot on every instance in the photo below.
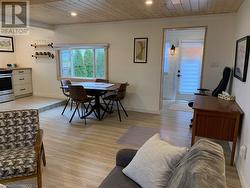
(203, 166)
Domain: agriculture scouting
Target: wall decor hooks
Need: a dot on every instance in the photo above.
(42, 45)
(44, 55)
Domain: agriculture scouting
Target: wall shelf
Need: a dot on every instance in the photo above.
(44, 55)
(42, 45)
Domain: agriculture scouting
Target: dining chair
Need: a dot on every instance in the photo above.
(66, 93)
(79, 96)
(116, 98)
(103, 93)
(102, 80)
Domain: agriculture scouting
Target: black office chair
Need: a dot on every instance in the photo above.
(219, 89)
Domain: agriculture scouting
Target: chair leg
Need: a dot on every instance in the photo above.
(84, 111)
(43, 155)
(123, 108)
(107, 105)
(71, 105)
(79, 114)
(111, 110)
(87, 109)
(74, 112)
(65, 106)
(118, 109)
(107, 108)
(82, 108)
(39, 173)
(39, 180)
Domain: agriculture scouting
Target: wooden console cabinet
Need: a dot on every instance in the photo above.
(22, 82)
(217, 119)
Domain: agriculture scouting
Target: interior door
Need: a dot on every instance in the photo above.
(189, 68)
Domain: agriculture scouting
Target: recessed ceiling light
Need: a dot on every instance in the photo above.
(73, 14)
(149, 2)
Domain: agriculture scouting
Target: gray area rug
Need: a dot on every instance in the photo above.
(137, 136)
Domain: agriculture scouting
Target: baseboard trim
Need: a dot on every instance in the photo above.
(126, 107)
(242, 179)
(49, 95)
(142, 110)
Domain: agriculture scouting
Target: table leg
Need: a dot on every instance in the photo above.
(237, 124)
(96, 108)
(193, 129)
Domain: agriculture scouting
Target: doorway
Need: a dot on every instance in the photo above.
(182, 63)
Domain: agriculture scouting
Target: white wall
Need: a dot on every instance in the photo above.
(7, 58)
(43, 70)
(144, 79)
(242, 92)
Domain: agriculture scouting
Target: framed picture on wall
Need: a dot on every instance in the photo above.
(242, 58)
(6, 44)
(140, 50)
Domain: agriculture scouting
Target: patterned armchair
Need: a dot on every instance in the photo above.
(21, 146)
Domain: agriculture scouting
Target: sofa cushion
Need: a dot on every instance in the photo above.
(17, 162)
(203, 166)
(116, 179)
(154, 163)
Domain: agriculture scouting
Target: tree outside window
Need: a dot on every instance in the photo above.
(83, 63)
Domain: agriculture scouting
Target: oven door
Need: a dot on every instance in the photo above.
(5, 84)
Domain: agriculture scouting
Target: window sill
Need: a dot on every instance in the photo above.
(80, 79)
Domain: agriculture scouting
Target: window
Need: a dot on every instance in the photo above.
(83, 62)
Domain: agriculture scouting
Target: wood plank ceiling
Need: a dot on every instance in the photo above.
(57, 12)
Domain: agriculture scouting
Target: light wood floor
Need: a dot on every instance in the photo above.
(82, 156)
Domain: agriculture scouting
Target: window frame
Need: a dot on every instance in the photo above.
(166, 57)
(82, 46)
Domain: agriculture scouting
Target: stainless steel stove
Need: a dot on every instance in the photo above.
(6, 89)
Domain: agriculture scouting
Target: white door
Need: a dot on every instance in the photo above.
(189, 68)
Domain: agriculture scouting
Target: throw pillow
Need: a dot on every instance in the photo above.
(154, 163)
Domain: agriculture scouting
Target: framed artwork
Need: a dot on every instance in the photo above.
(6, 44)
(140, 50)
(241, 58)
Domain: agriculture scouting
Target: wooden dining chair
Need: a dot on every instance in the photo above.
(116, 98)
(79, 96)
(102, 80)
(66, 93)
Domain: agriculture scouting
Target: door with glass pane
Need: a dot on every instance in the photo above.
(189, 68)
